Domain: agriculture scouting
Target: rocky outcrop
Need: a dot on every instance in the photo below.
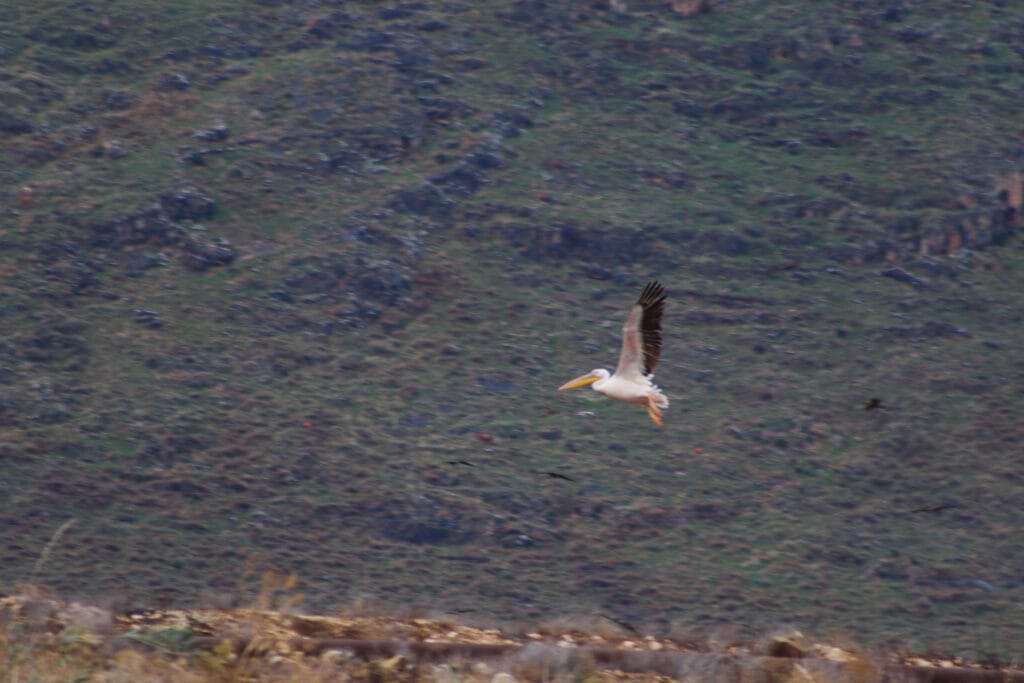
(425, 200)
(618, 246)
(166, 223)
(12, 124)
(573, 242)
(148, 225)
(975, 230)
(369, 275)
(930, 232)
(187, 205)
(202, 253)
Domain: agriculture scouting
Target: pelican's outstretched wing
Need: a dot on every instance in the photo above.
(641, 335)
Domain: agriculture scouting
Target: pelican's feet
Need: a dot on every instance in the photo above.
(654, 411)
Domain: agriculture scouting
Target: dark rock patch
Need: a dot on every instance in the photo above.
(903, 276)
(217, 133)
(12, 124)
(187, 205)
(202, 253)
(147, 318)
(145, 226)
(425, 200)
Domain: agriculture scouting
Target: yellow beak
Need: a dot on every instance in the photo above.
(583, 381)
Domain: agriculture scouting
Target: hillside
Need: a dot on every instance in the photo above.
(291, 286)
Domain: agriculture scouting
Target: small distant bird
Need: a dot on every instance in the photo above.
(461, 462)
(874, 404)
(641, 345)
(934, 508)
(557, 475)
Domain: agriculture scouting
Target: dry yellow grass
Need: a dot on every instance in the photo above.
(44, 639)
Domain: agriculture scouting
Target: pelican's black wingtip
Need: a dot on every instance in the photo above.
(652, 301)
(653, 293)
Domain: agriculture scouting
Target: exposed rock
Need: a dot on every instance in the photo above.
(202, 253)
(88, 618)
(330, 26)
(174, 81)
(732, 244)
(150, 224)
(281, 295)
(370, 274)
(148, 318)
(56, 341)
(932, 329)
(463, 180)
(743, 107)
(686, 107)
(119, 100)
(470, 64)
(337, 155)
(791, 645)
(511, 431)
(927, 233)
(1010, 195)
(52, 413)
(485, 160)
(60, 35)
(936, 266)
(412, 56)
(901, 275)
(433, 531)
(440, 109)
(140, 263)
(14, 125)
(513, 120)
(425, 200)
(114, 149)
(313, 280)
(187, 205)
(570, 242)
(383, 282)
(872, 251)
(602, 248)
(217, 133)
(516, 539)
(434, 25)
(976, 230)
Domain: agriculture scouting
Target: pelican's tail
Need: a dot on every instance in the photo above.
(658, 397)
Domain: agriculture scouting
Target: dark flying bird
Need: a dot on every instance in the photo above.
(874, 404)
(557, 475)
(934, 508)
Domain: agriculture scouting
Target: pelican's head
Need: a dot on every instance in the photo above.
(589, 378)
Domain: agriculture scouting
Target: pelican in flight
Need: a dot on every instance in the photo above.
(641, 345)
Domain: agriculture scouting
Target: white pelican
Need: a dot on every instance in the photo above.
(641, 345)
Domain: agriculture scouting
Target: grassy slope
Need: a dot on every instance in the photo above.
(183, 452)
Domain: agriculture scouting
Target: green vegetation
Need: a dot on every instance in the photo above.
(435, 215)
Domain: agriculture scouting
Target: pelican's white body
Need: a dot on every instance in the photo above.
(628, 390)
